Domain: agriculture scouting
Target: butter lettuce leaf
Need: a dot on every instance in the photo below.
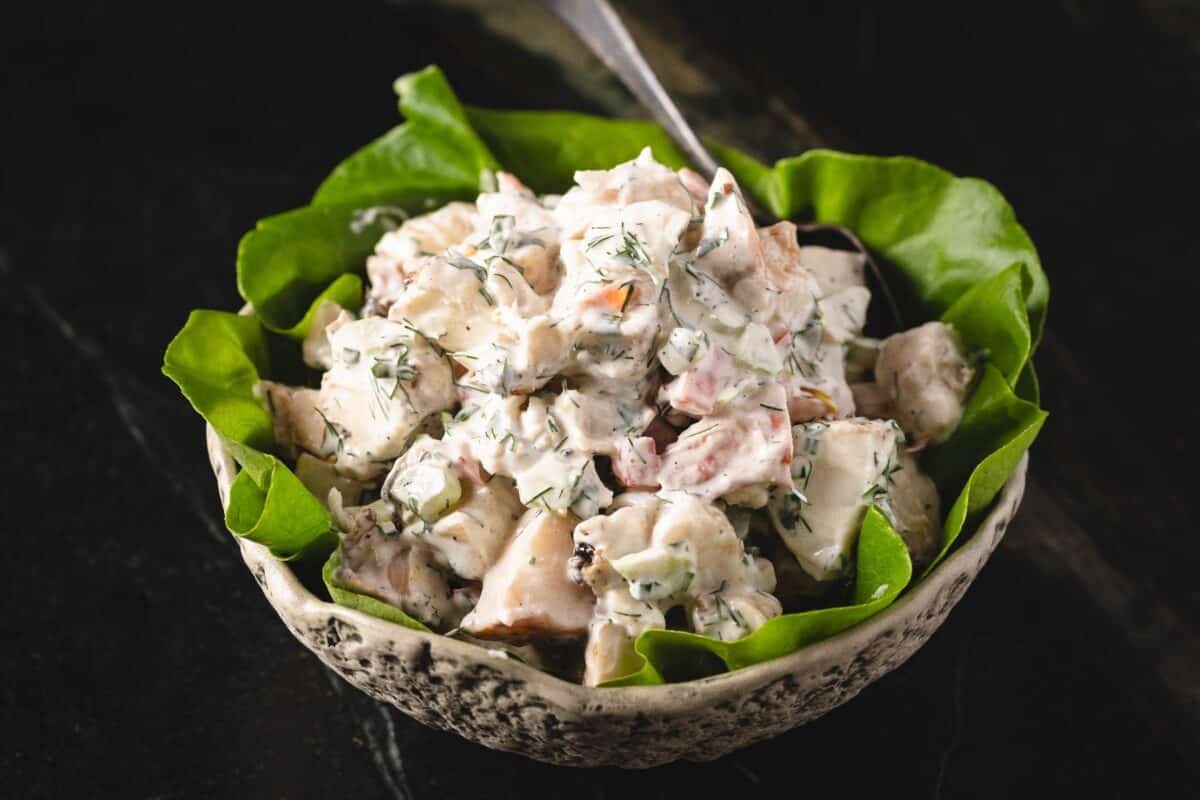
(992, 320)
(216, 361)
(291, 261)
(434, 157)
(996, 429)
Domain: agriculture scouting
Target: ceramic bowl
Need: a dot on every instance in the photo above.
(501, 703)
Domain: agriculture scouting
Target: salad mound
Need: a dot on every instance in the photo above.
(621, 432)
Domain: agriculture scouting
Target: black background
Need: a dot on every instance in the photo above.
(139, 141)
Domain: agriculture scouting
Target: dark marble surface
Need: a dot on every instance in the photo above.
(138, 658)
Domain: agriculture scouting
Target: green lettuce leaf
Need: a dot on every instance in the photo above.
(883, 571)
(287, 264)
(216, 361)
(431, 159)
(992, 320)
(272, 507)
(996, 423)
(345, 291)
(362, 602)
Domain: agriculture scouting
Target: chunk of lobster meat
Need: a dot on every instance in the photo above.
(297, 420)
(615, 325)
(315, 347)
(636, 463)
(634, 181)
(389, 568)
(843, 313)
(384, 382)
(915, 510)
(839, 468)
(783, 293)
(613, 348)
(731, 614)
(527, 594)
(471, 537)
(320, 476)
(518, 230)
(807, 403)
(398, 254)
(814, 372)
(730, 247)
(450, 302)
(525, 439)
(695, 184)
(745, 444)
(598, 415)
(523, 356)
(618, 620)
(654, 553)
(924, 373)
(697, 391)
(833, 270)
(781, 251)
(872, 401)
(641, 236)
(466, 524)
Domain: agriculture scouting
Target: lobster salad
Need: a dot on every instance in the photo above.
(561, 421)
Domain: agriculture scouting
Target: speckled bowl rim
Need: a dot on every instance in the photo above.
(284, 589)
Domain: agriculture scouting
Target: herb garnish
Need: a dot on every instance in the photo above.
(462, 262)
(706, 246)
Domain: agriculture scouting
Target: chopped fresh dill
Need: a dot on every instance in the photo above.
(330, 429)
(701, 432)
(462, 262)
(599, 240)
(628, 296)
(706, 246)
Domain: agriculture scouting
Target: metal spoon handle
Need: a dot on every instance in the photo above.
(598, 25)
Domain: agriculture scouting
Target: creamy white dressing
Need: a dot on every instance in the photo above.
(385, 379)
